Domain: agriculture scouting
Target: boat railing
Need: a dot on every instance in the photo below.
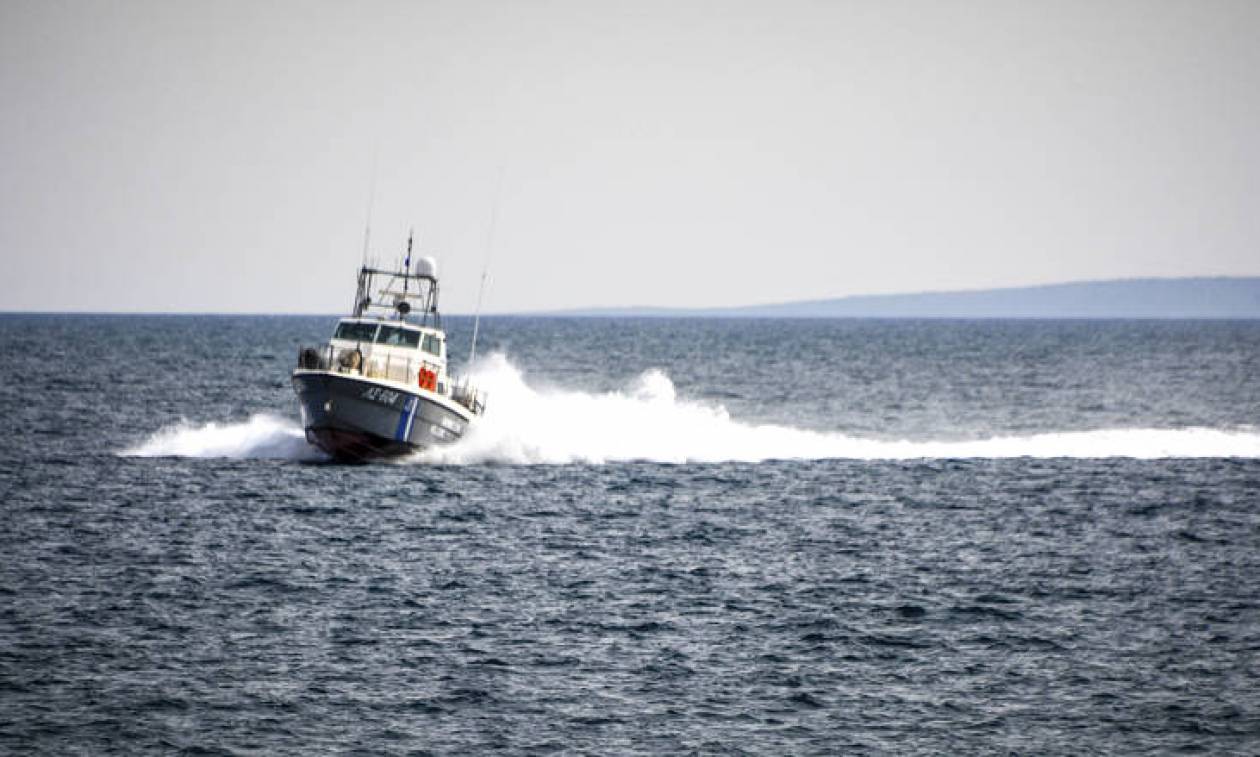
(469, 396)
(385, 364)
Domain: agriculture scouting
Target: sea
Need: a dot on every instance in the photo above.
(666, 536)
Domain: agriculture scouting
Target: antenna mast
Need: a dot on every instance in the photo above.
(367, 226)
(481, 291)
(407, 261)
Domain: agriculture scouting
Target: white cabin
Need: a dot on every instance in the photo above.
(392, 349)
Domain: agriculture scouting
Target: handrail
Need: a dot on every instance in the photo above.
(327, 358)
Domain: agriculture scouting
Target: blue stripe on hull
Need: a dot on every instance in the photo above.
(405, 419)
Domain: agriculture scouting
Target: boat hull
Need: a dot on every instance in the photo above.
(355, 419)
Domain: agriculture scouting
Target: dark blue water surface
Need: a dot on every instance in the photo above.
(181, 574)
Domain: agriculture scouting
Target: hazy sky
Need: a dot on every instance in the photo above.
(218, 155)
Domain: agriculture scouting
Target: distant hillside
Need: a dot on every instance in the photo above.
(1124, 298)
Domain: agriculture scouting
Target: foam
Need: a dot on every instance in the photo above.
(263, 436)
(647, 421)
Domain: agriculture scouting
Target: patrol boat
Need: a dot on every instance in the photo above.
(380, 386)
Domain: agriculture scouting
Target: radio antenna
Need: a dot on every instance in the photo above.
(485, 269)
(406, 266)
(367, 225)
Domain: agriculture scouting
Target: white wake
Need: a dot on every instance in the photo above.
(262, 436)
(647, 421)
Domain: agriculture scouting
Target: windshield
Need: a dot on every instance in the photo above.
(355, 332)
(393, 336)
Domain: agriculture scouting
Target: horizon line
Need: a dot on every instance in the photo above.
(707, 311)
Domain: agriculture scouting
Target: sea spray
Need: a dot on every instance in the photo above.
(647, 421)
(262, 436)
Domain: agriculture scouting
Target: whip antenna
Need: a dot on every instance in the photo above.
(367, 225)
(481, 291)
(407, 261)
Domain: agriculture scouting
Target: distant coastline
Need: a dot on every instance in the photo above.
(1198, 297)
(1219, 298)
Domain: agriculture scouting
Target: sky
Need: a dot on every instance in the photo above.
(222, 156)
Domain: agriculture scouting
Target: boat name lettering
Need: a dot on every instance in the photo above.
(379, 394)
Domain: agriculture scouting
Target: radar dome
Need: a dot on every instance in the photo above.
(426, 267)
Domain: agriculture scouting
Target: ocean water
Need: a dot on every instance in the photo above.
(696, 536)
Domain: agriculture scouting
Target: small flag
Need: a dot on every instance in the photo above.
(407, 260)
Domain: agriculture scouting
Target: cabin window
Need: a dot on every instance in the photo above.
(393, 336)
(355, 332)
(432, 345)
